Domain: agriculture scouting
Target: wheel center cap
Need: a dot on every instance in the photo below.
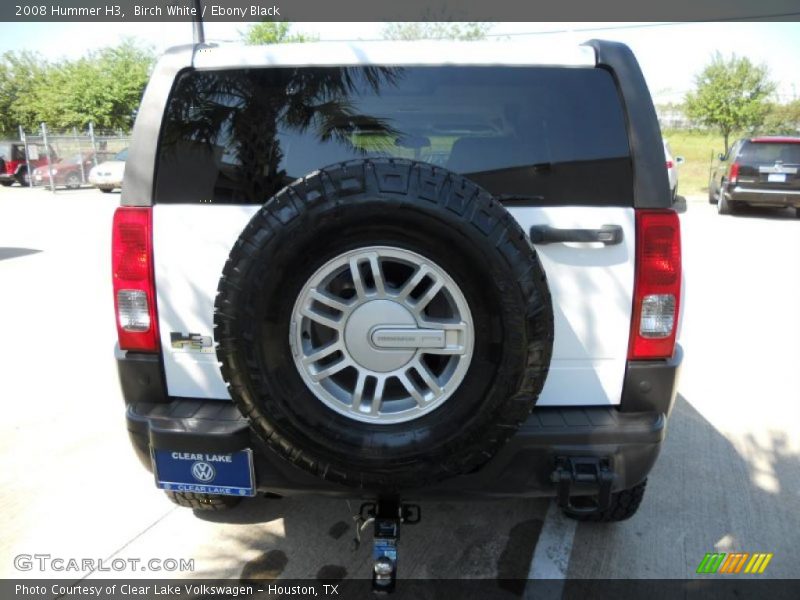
(359, 335)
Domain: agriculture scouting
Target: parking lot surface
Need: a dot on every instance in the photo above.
(728, 478)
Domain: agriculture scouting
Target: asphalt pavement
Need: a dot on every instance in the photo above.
(728, 478)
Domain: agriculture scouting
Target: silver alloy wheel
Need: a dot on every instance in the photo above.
(381, 335)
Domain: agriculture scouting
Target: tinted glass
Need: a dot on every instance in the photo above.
(769, 153)
(122, 155)
(239, 136)
(12, 151)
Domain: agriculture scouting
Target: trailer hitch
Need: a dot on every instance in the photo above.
(386, 513)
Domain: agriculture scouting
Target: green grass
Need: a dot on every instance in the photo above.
(697, 148)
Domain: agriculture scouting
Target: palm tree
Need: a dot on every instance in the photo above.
(244, 111)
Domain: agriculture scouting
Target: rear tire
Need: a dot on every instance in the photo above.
(106, 190)
(624, 505)
(6, 183)
(797, 211)
(724, 207)
(204, 502)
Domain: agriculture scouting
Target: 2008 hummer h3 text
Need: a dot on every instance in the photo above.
(385, 270)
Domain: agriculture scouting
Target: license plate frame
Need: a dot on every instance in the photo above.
(224, 474)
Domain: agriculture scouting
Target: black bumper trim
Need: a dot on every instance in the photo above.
(523, 467)
(652, 385)
(190, 425)
(765, 198)
(141, 377)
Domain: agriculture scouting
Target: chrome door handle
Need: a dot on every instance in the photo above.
(607, 235)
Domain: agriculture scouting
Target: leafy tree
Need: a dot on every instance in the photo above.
(433, 30)
(273, 32)
(104, 87)
(730, 95)
(783, 118)
(20, 75)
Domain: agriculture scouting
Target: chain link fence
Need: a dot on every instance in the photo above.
(64, 158)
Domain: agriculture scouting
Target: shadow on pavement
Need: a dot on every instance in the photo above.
(704, 495)
(16, 252)
(488, 539)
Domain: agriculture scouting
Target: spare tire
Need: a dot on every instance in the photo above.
(384, 324)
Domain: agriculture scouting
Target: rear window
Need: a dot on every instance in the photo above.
(11, 152)
(769, 153)
(547, 135)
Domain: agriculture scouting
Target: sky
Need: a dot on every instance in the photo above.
(670, 54)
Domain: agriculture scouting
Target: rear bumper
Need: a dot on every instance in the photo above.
(763, 197)
(8, 177)
(629, 436)
(105, 182)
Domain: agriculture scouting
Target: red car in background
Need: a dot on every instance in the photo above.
(13, 167)
(66, 172)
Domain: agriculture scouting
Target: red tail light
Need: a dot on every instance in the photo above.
(134, 282)
(733, 175)
(657, 285)
(669, 164)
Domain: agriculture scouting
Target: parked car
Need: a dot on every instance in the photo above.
(672, 170)
(108, 175)
(302, 309)
(758, 171)
(14, 167)
(70, 172)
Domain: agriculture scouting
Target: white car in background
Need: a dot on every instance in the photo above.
(108, 175)
(672, 170)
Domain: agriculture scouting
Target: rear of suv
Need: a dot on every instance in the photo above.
(14, 164)
(759, 171)
(435, 270)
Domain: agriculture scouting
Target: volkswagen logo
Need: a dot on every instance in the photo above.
(202, 471)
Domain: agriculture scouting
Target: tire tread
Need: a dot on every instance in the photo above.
(395, 180)
(624, 505)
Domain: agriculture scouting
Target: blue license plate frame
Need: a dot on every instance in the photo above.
(224, 474)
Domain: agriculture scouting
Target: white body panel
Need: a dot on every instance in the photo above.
(592, 290)
(191, 244)
(591, 286)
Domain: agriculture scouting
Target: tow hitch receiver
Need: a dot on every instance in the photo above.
(587, 473)
(387, 513)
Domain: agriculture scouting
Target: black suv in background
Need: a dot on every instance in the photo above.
(760, 171)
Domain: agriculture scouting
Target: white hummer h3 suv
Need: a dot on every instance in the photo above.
(385, 270)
